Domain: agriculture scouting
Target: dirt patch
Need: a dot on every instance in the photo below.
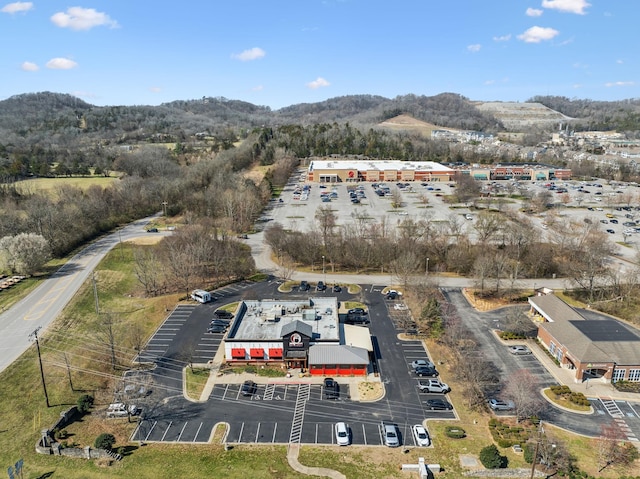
(485, 304)
(370, 391)
(145, 240)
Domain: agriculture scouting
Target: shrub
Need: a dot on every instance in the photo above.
(105, 441)
(454, 432)
(85, 402)
(491, 459)
(60, 434)
(504, 443)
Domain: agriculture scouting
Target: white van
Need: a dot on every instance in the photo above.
(119, 409)
(201, 296)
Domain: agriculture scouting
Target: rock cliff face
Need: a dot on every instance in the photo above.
(516, 116)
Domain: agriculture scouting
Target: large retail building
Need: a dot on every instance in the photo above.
(347, 171)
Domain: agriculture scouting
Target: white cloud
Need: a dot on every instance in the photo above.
(503, 38)
(317, 83)
(569, 6)
(474, 48)
(78, 18)
(619, 62)
(620, 83)
(257, 88)
(489, 82)
(534, 12)
(61, 64)
(538, 34)
(155, 89)
(29, 67)
(17, 7)
(248, 55)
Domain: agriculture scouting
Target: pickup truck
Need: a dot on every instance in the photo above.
(433, 386)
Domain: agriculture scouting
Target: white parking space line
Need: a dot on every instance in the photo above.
(197, 432)
(241, 431)
(316, 438)
(275, 428)
(364, 435)
(257, 432)
(151, 430)
(181, 431)
(166, 430)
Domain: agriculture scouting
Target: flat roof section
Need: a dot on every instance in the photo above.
(264, 319)
(370, 165)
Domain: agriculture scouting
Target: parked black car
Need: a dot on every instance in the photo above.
(337, 288)
(426, 372)
(220, 322)
(222, 314)
(249, 388)
(356, 311)
(304, 286)
(355, 319)
(331, 389)
(438, 405)
(321, 286)
(217, 328)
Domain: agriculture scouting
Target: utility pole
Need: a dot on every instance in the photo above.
(95, 292)
(44, 385)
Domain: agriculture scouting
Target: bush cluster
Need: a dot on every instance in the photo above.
(506, 335)
(571, 396)
(454, 432)
(505, 435)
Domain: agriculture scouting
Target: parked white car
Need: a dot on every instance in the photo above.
(421, 435)
(342, 434)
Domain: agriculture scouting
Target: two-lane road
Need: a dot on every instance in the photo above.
(43, 304)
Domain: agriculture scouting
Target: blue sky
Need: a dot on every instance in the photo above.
(284, 52)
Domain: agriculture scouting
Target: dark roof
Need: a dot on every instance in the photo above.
(297, 326)
(605, 330)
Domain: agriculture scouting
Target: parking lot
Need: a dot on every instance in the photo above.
(575, 202)
(279, 412)
(298, 411)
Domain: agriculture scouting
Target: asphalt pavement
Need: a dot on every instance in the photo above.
(39, 308)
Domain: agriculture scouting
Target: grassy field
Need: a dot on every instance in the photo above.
(49, 185)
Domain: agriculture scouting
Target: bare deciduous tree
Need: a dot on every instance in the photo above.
(522, 388)
(613, 450)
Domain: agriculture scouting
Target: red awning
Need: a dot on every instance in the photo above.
(238, 353)
(256, 352)
(275, 352)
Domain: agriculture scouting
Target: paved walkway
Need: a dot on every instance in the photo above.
(292, 457)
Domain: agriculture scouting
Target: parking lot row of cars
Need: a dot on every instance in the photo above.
(389, 432)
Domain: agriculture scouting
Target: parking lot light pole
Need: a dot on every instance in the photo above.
(427, 268)
(324, 272)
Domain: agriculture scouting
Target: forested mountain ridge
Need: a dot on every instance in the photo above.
(53, 114)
